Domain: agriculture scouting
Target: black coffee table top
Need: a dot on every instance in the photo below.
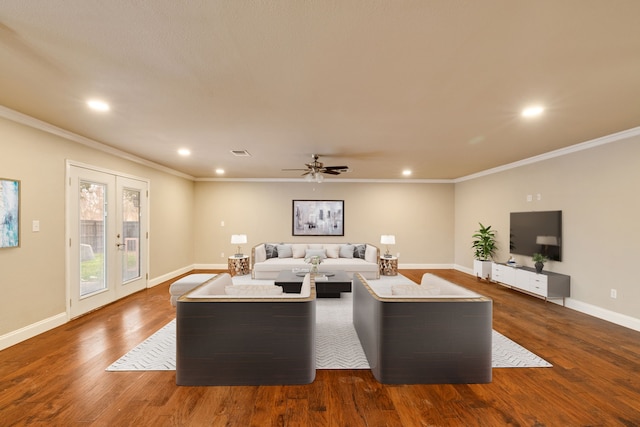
(288, 276)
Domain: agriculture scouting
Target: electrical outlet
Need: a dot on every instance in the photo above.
(221, 254)
(614, 294)
(221, 223)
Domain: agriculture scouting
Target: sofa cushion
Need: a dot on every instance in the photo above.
(271, 251)
(285, 251)
(414, 290)
(256, 290)
(346, 251)
(259, 253)
(322, 253)
(299, 250)
(316, 246)
(333, 251)
(359, 251)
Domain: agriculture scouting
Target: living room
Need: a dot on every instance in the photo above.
(432, 222)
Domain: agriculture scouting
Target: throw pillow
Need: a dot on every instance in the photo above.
(271, 250)
(359, 251)
(333, 251)
(316, 246)
(316, 252)
(285, 251)
(346, 251)
(299, 250)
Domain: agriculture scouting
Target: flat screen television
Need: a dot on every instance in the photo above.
(536, 232)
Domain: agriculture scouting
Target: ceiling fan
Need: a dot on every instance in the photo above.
(315, 169)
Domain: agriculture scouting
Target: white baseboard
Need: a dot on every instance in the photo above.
(591, 310)
(161, 279)
(425, 266)
(604, 314)
(30, 331)
(211, 266)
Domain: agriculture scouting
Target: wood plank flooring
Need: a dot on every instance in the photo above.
(58, 378)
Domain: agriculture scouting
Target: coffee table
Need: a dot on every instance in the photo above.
(330, 287)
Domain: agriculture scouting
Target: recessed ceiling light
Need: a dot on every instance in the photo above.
(184, 152)
(532, 111)
(97, 105)
(220, 171)
(406, 172)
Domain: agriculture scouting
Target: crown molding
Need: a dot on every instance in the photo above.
(34, 123)
(608, 139)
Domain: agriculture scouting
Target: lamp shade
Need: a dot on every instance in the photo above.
(238, 239)
(388, 239)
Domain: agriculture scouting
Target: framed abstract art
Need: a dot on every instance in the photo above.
(318, 218)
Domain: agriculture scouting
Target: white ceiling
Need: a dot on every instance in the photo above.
(378, 85)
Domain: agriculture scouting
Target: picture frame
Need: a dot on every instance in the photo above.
(318, 218)
(9, 213)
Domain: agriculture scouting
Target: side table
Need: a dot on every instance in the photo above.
(388, 266)
(239, 266)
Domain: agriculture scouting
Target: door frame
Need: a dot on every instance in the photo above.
(69, 265)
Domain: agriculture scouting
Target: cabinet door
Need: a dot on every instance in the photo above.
(538, 284)
(523, 280)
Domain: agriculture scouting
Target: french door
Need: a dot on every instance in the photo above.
(107, 220)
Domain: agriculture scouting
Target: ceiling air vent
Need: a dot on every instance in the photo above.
(240, 153)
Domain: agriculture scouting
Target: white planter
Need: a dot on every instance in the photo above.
(482, 269)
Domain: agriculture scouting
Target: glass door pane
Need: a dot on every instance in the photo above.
(93, 259)
(131, 234)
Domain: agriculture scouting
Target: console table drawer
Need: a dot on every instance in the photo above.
(538, 284)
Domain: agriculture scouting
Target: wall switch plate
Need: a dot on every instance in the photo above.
(614, 294)
(221, 223)
(221, 254)
(35, 225)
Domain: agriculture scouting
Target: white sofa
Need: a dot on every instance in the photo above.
(268, 259)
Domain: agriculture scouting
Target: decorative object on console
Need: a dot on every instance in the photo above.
(318, 218)
(539, 260)
(388, 239)
(484, 247)
(239, 239)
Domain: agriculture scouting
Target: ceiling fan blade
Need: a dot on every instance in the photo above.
(331, 172)
(336, 167)
(293, 169)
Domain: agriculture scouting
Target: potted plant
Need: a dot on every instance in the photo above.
(484, 247)
(539, 261)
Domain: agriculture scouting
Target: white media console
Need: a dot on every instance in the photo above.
(547, 285)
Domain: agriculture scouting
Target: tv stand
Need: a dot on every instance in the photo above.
(545, 285)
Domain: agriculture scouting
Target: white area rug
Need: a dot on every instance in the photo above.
(337, 343)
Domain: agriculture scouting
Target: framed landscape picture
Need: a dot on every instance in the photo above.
(318, 218)
(9, 213)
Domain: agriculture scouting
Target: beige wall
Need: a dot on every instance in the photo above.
(598, 192)
(419, 215)
(32, 277)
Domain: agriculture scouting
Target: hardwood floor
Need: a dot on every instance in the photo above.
(59, 377)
